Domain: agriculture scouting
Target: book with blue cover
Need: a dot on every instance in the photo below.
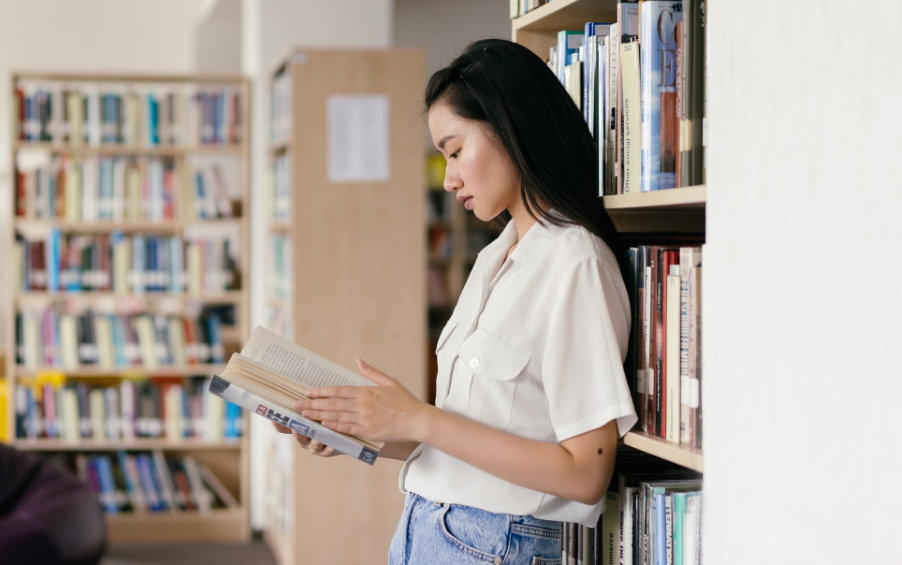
(660, 125)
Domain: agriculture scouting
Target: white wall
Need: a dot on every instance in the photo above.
(444, 28)
(217, 37)
(801, 275)
(85, 36)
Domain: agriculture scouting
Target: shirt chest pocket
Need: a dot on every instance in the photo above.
(444, 353)
(494, 366)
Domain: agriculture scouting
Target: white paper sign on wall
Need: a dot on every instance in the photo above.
(359, 140)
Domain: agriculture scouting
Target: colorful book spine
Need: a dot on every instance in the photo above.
(659, 113)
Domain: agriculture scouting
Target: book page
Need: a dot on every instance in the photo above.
(297, 363)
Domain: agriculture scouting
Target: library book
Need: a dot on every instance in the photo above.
(271, 373)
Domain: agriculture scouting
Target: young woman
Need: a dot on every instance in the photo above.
(531, 395)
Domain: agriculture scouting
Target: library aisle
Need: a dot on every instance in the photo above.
(177, 173)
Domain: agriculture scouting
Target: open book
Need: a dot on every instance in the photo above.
(271, 374)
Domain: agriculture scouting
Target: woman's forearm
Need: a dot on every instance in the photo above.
(399, 450)
(581, 473)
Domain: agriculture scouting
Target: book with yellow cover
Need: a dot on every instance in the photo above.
(271, 374)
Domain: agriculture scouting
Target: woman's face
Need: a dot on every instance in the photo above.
(478, 168)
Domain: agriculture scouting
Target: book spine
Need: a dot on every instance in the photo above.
(640, 327)
(695, 57)
(659, 128)
(629, 71)
(673, 357)
(681, 144)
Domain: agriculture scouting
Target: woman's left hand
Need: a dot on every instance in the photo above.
(387, 412)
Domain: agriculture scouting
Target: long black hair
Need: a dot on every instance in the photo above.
(509, 89)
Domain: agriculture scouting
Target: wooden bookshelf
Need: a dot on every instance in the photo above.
(155, 151)
(143, 226)
(689, 457)
(340, 235)
(537, 29)
(132, 371)
(228, 459)
(138, 444)
(674, 210)
(680, 210)
(219, 525)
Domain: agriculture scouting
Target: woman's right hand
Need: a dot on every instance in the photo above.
(310, 445)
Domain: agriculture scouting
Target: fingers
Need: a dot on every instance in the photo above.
(345, 427)
(302, 440)
(280, 428)
(326, 405)
(374, 374)
(320, 449)
(333, 392)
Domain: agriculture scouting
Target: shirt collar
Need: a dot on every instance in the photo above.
(531, 247)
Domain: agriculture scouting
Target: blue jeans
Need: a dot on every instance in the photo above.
(430, 533)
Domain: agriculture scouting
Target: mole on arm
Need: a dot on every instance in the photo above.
(600, 450)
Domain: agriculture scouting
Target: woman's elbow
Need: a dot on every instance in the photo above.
(593, 491)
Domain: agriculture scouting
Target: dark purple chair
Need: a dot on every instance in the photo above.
(47, 516)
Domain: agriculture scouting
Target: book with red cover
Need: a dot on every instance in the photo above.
(666, 256)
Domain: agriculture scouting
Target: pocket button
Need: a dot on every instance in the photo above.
(498, 561)
(474, 362)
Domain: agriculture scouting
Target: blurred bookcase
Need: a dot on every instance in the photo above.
(129, 287)
(454, 238)
(345, 275)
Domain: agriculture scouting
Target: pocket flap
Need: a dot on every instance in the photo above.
(443, 337)
(490, 357)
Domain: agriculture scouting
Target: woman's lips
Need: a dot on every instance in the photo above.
(468, 203)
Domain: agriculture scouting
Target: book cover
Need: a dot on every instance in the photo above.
(292, 420)
(658, 67)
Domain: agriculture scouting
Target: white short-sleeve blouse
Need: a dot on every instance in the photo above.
(535, 347)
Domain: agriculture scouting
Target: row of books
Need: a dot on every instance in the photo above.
(640, 84)
(123, 188)
(656, 517)
(522, 7)
(171, 408)
(103, 114)
(123, 264)
(280, 107)
(57, 338)
(150, 482)
(664, 362)
(279, 271)
(280, 188)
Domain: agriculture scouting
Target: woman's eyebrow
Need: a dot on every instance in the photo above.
(442, 141)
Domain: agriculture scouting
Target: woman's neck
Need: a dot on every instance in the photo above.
(522, 219)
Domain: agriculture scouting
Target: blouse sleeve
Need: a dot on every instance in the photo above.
(582, 367)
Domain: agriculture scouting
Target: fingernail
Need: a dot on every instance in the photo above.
(362, 363)
(311, 393)
(304, 413)
(300, 405)
(327, 424)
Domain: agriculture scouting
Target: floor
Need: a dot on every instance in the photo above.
(253, 553)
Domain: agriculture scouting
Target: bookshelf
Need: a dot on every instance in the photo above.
(196, 126)
(675, 216)
(344, 278)
(675, 210)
